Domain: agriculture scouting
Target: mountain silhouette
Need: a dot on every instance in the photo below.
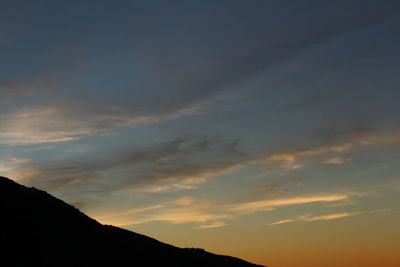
(37, 229)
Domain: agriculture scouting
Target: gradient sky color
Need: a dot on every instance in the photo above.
(267, 130)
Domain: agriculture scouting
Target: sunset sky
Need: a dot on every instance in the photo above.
(265, 130)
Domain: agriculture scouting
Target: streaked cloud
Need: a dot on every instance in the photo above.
(311, 218)
(9, 165)
(27, 126)
(115, 217)
(328, 217)
(167, 167)
(174, 216)
(210, 215)
(211, 225)
(282, 221)
(337, 160)
(253, 206)
(289, 158)
(183, 200)
(36, 126)
(180, 164)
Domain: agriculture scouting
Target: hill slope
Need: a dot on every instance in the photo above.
(37, 229)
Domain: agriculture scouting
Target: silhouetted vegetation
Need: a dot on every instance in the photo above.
(38, 229)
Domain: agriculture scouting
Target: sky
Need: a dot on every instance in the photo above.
(266, 130)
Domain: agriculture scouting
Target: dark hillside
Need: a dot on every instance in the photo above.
(37, 229)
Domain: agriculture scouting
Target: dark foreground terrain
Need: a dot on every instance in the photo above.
(37, 229)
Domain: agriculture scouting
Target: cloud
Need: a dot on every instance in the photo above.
(254, 206)
(183, 200)
(186, 177)
(282, 221)
(164, 169)
(327, 217)
(177, 165)
(180, 164)
(189, 88)
(290, 156)
(8, 165)
(337, 160)
(168, 215)
(36, 126)
(211, 225)
(256, 45)
(210, 215)
(311, 218)
(27, 126)
(336, 143)
(171, 166)
(10, 89)
(118, 216)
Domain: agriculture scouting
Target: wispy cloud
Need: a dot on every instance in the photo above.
(118, 216)
(57, 124)
(310, 218)
(9, 165)
(290, 157)
(41, 125)
(210, 215)
(282, 221)
(166, 167)
(168, 215)
(327, 217)
(253, 206)
(337, 160)
(211, 225)
(171, 166)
